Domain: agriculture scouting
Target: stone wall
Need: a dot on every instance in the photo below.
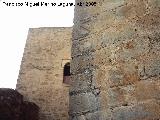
(116, 61)
(41, 73)
(12, 106)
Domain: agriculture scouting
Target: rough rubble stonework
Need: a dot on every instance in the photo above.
(41, 73)
(115, 66)
(12, 106)
(116, 61)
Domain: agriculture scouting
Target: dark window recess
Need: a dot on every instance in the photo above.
(66, 73)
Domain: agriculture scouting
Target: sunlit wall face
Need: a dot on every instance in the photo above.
(14, 24)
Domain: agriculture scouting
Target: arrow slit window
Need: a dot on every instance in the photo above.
(66, 74)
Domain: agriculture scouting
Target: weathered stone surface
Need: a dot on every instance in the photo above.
(83, 103)
(115, 66)
(40, 78)
(149, 110)
(147, 90)
(132, 94)
(121, 96)
(119, 40)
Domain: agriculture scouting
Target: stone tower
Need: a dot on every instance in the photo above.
(115, 64)
(41, 78)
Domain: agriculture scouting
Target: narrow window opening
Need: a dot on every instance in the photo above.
(66, 74)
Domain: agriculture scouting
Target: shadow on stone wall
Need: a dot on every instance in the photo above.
(12, 106)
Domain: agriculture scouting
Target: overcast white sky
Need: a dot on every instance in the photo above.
(14, 25)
